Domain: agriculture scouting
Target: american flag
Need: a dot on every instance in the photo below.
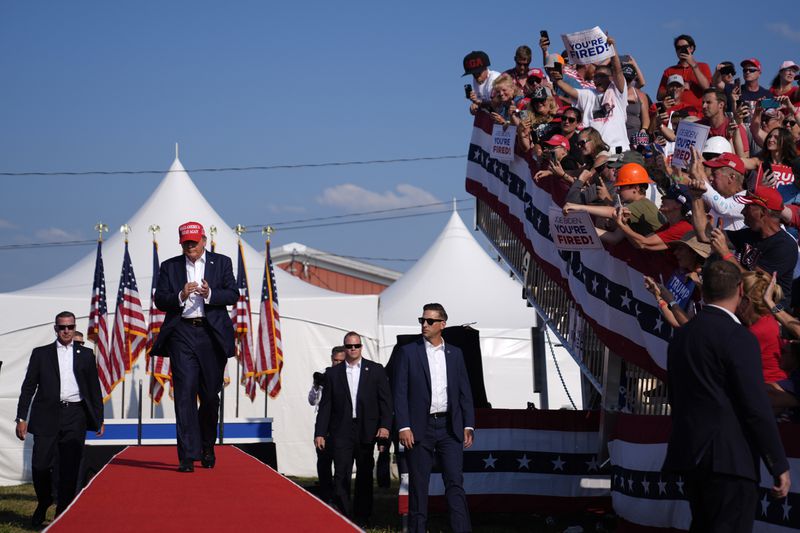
(98, 321)
(130, 330)
(646, 499)
(606, 285)
(270, 349)
(243, 327)
(157, 366)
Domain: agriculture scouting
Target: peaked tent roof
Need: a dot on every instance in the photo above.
(174, 201)
(456, 272)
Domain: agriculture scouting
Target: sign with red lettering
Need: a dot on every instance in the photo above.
(689, 135)
(587, 46)
(503, 142)
(573, 232)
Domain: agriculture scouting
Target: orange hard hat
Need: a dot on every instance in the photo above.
(632, 174)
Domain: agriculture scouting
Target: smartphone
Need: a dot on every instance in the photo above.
(543, 34)
(770, 103)
(737, 82)
(618, 150)
(468, 90)
(558, 67)
(729, 114)
(661, 108)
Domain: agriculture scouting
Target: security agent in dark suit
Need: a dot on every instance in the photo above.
(197, 335)
(721, 418)
(355, 410)
(67, 402)
(435, 414)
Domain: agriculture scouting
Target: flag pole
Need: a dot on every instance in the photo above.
(153, 228)
(124, 229)
(267, 230)
(239, 229)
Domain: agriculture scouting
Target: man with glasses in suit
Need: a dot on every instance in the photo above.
(355, 411)
(67, 402)
(435, 414)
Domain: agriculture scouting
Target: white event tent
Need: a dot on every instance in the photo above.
(457, 273)
(312, 320)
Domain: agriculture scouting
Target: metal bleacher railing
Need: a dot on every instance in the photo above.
(607, 380)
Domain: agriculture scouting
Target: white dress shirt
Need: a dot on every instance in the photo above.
(438, 367)
(194, 305)
(353, 377)
(66, 370)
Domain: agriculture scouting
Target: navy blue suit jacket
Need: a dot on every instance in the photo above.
(373, 403)
(43, 378)
(719, 403)
(171, 280)
(412, 390)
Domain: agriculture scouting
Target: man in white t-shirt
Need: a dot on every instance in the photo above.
(477, 63)
(604, 108)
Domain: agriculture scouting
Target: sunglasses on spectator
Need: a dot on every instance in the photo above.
(581, 143)
(600, 168)
(430, 321)
(790, 123)
(62, 327)
(749, 70)
(569, 119)
(526, 63)
(352, 346)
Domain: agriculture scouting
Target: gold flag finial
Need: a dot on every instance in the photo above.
(100, 228)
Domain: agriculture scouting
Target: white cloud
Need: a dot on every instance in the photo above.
(275, 208)
(784, 30)
(673, 24)
(57, 234)
(353, 198)
(5, 224)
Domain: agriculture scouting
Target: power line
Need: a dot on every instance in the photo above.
(362, 213)
(237, 169)
(89, 242)
(376, 219)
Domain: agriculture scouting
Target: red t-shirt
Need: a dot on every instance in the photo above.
(722, 131)
(693, 95)
(767, 332)
(674, 232)
(793, 94)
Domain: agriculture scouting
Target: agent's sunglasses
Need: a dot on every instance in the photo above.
(430, 321)
(62, 327)
(352, 346)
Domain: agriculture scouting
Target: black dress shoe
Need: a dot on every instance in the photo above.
(208, 460)
(37, 519)
(186, 466)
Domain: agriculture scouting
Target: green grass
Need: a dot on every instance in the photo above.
(17, 504)
(16, 507)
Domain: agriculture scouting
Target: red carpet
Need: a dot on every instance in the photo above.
(140, 490)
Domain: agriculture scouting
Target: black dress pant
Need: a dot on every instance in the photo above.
(720, 502)
(198, 367)
(345, 451)
(58, 457)
(325, 475)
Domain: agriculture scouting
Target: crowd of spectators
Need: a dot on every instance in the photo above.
(601, 145)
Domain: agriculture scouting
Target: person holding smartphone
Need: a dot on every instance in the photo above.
(751, 90)
(696, 75)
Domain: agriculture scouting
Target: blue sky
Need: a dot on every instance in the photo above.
(112, 86)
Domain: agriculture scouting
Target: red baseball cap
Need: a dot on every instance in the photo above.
(558, 140)
(536, 73)
(727, 160)
(191, 231)
(763, 196)
(755, 62)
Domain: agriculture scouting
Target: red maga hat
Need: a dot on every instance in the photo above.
(763, 196)
(191, 231)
